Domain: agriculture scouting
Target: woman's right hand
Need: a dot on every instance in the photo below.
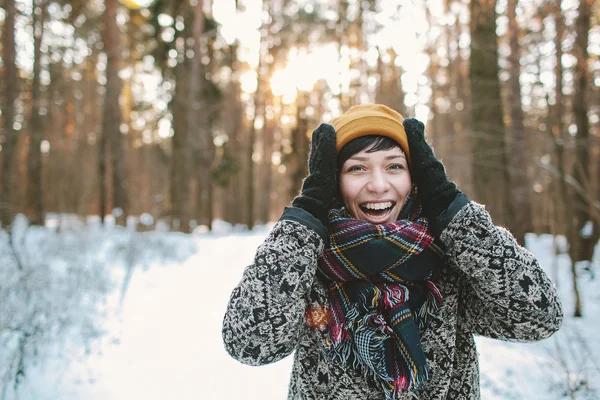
(320, 186)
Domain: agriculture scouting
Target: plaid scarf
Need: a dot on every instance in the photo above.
(379, 294)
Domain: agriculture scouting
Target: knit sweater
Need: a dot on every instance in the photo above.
(491, 286)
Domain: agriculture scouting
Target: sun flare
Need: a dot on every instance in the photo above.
(305, 67)
(136, 4)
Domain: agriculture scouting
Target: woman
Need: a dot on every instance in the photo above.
(382, 271)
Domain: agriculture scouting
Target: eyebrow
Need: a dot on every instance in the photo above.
(390, 157)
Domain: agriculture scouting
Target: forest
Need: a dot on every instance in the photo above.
(191, 111)
(146, 145)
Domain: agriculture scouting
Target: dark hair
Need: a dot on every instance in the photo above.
(372, 143)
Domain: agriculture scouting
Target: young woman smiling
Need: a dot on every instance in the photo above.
(382, 271)
(374, 182)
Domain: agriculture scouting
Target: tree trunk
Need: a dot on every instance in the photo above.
(111, 122)
(433, 71)
(250, 178)
(520, 187)
(34, 197)
(389, 91)
(461, 162)
(259, 104)
(8, 114)
(266, 173)
(300, 147)
(232, 121)
(487, 129)
(102, 176)
(198, 119)
(581, 203)
(181, 163)
(560, 138)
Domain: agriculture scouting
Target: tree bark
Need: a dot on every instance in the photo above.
(111, 121)
(440, 130)
(487, 129)
(34, 196)
(11, 92)
(520, 186)
(266, 174)
(232, 122)
(389, 91)
(181, 163)
(250, 162)
(560, 138)
(582, 169)
(300, 147)
(102, 196)
(198, 119)
(250, 178)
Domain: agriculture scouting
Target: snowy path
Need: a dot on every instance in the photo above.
(169, 344)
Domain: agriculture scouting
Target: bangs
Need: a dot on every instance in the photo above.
(370, 143)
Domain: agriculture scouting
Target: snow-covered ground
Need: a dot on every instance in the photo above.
(125, 315)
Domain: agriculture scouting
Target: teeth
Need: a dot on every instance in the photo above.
(377, 206)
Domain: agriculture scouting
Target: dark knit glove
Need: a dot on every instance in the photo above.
(320, 185)
(436, 191)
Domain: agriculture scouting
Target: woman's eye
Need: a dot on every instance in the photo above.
(396, 167)
(355, 168)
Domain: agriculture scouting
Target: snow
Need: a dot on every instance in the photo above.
(138, 315)
(587, 230)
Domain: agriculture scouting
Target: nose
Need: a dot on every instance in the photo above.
(378, 182)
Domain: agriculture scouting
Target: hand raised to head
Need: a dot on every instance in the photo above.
(435, 189)
(320, 186)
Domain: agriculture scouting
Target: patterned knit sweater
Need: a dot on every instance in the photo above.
(491, 286)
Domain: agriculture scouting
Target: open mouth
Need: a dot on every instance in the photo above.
(377, 210)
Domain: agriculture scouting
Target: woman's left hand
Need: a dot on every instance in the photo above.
(436, 191)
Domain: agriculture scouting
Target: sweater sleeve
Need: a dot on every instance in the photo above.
(266, 310)
(505, 294)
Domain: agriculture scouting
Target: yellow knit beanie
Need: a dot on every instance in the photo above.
(370, 119)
